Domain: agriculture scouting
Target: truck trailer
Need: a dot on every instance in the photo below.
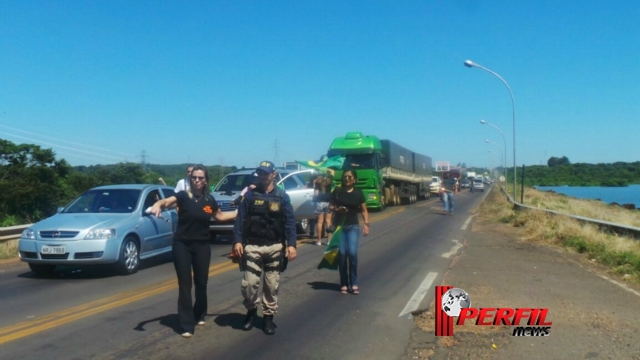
(388, 173)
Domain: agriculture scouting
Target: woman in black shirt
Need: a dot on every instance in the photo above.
(347, 201)
(191, 247)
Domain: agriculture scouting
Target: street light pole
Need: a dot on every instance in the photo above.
(470, 64)
(505, 144)
(502, 157)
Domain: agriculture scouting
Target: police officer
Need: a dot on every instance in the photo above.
(265, 218)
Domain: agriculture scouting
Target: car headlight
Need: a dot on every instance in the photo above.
(28, 234)
(101, 234)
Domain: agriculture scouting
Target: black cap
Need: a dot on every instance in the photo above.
(267, 166)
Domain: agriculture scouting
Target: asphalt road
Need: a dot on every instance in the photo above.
(82, 313)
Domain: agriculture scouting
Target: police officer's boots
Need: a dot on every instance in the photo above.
(269, 326)
(249, 319)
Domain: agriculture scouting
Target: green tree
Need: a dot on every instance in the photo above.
(32, 181)
(555, 161)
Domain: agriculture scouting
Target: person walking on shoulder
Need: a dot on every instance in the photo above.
(265, 219)
(347, 202)
(191, 248)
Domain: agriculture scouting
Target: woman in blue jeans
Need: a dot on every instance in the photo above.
(347, 202)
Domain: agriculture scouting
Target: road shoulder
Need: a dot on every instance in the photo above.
(592, 316)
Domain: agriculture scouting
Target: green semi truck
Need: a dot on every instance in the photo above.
(388, 174)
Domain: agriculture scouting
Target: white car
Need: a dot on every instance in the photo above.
(435, 186)
(478, 184)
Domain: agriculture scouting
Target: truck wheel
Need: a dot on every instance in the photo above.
(392, 196)
(387, 196)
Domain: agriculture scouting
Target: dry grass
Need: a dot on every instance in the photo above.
(620, 253)
(8, 249)
(594, 209)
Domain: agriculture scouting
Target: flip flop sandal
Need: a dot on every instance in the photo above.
(355, 290)
(344, 290)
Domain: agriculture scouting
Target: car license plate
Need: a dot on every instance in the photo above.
(46, 249)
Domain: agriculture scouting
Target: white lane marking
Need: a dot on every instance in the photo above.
(454, 249)
(466, 223)
(620, 284)
(417, 297)
(608, 279)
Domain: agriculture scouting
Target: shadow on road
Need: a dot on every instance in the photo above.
(234, 320)
(170, 321)
(321, 285)
(99, 271)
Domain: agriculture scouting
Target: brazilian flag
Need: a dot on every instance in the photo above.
(330, 257)
(335, 162)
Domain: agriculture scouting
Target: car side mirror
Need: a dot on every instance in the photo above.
(59, 209)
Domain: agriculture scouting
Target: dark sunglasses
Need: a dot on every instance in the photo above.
(201, 178)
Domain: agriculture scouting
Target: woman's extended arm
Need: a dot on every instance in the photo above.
(224, 216)
(167, 203)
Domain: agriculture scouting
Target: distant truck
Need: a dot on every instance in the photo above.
(388, 174)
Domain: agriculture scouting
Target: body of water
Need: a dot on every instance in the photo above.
(621, 195)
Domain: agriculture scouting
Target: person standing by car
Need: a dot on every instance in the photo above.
(321, 197)
(347, 202)
(265, 219)
(312, 222)
(183, 184)
(191, 248)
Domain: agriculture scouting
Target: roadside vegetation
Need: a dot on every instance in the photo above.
(35, 182)
(8, 250)
(560, 171)
(621, 254)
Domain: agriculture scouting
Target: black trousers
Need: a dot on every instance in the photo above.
(189, 255)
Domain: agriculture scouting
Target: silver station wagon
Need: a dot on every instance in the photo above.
(104, 225)
(231, 186)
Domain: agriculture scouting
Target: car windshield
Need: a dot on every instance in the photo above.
(365, 161)
(105, 201)
(477, 180)
(233, 183)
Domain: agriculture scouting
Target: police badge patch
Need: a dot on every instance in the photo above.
(274, 207)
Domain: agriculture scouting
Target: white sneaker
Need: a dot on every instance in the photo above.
(201, 322)
(186, 334)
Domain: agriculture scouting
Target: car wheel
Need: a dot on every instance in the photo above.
(42, 269)
(302, 226)
(129, 260)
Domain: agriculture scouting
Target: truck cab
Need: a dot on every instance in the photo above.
(362, 154)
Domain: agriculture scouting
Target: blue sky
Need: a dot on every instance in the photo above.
(224, 81)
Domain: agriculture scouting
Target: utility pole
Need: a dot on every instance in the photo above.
(143, 160)
(276, 151)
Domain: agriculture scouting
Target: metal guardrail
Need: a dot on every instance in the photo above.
(619, 229)
(12, 232)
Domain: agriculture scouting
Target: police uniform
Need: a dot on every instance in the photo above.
(264, 220)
